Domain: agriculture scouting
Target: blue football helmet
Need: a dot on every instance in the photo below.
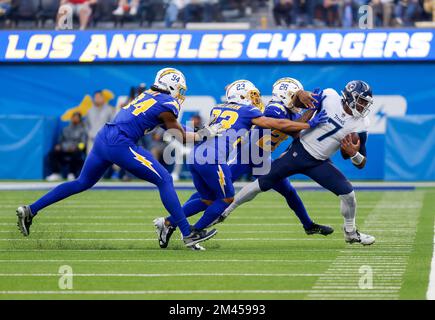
(358, 96)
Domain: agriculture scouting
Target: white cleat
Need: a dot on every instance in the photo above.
(197, 247)
(163, 231)
(358, 237)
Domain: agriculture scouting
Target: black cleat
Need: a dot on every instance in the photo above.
(319, 229)
(25, 218)
(197, 236)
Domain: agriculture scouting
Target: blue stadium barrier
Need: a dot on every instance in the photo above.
(24, 143)
(410, 148)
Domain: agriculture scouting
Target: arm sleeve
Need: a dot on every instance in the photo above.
(363, 140)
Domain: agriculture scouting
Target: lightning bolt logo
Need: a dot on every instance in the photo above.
(144, 161)
(221, 179)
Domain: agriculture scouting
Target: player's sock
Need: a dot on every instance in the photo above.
(190, 208)
(211, 214)
(172, 204)
(348, 210)
(247, 193)
(295, 203)
(61, 192)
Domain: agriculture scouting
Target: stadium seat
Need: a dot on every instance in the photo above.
(48, 10)
(149, 11)
(102, 11)
(24, 10)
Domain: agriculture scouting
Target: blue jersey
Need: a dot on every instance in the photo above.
(141, 115)
(278, 111)
(265, 141)
(237, 119)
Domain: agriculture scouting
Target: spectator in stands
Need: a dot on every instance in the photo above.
(348, 13)
(429, 7)
(282, 12)
(5, 7)
(69, 152)
(311, 6)
(382, 11)
(196, 122)
(81, 8)
(173, 7)
(211, 11)
(100, 113)
(192, 11)
(406, 11)
(330, 8)
(131, 7)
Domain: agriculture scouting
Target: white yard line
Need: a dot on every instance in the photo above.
(431, 288)
(155, 239)
(346, 273)
(151, 292)
(162, 261)
(163, 275)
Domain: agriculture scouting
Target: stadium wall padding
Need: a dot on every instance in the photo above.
(50, 89)
(24, 143)
(410, 148)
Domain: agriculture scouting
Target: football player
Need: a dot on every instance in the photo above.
(310, 154)
(116, 144)
(214, 182)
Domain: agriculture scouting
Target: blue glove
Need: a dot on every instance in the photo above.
(320, 97)
(319, 118)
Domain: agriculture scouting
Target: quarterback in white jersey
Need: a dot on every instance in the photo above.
(346, 129)
(326, 139)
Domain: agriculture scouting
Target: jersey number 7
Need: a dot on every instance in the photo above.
(337, 127)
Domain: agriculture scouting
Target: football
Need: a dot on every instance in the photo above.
(354, 136)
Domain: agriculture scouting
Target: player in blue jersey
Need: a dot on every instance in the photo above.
(212, 176)
(116, 144)
(346, 130)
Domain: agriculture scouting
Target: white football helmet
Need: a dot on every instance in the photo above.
(244, 92)
(284, 91)
(173, 81)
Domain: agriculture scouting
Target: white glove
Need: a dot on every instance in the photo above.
(210, 131)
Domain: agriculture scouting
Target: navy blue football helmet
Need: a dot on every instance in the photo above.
(358, 96)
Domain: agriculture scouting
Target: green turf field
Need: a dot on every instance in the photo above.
(261, 252)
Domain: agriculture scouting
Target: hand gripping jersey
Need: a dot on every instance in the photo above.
(141, 115)
(324, 140)
(265, 139)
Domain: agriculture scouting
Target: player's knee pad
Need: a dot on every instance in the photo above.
(348, 204)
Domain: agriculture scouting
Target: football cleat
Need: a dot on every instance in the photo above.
(163, 231)
(358, 237)
(197, 247)
(25, 218)
(197, 236)
(319, 229)
(219, 219)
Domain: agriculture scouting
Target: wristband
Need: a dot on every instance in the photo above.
(357, 159)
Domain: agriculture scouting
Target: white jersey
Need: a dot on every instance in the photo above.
(325, 139)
